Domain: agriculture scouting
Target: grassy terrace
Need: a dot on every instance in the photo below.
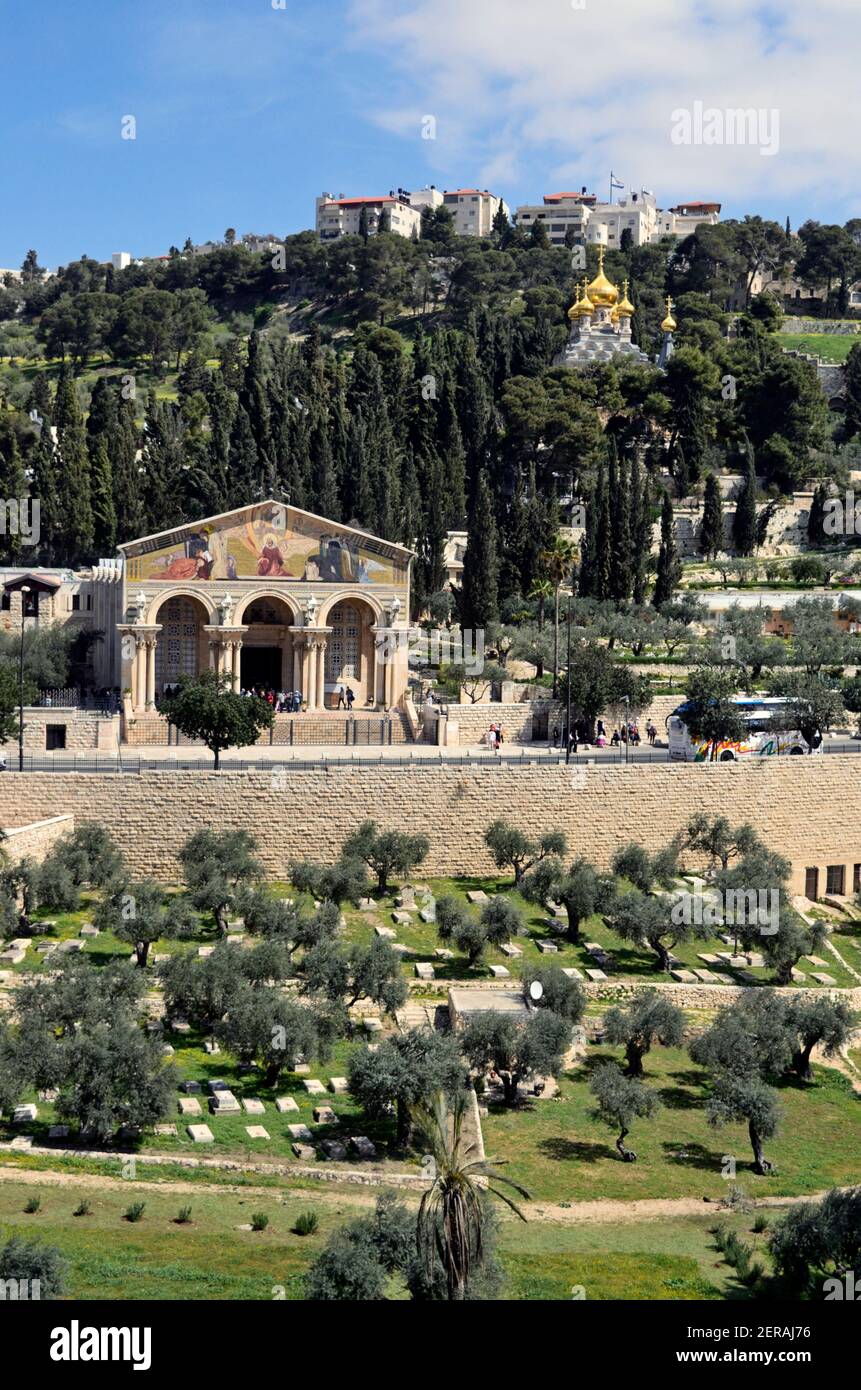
(213, 1258)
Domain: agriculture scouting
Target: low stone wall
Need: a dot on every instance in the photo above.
(34, 841)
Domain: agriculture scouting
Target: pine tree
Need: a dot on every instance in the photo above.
(711, 538)
(479, 605)
(744, 521)
(104, 515)
(669, 569)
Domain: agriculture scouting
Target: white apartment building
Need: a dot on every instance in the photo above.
(602, 224)
(121, 259)
(337, 217)
(474, 210)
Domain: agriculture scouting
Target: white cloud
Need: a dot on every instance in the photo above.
(558, 95)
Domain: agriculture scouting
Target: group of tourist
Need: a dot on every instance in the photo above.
(494, 738)
(281, 701)
(625, 734)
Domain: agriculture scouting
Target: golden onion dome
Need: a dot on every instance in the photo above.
(614, 315)
(602, 291)
(669, 324)
(624, 308)
(575, 310)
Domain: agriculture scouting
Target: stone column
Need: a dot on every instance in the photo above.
(237, 663)
(321, 672)
(310, 674)
(139, 681)
(213, 654)
(150, 672)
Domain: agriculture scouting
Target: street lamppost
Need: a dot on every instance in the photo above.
(627, 700)
(25, 589)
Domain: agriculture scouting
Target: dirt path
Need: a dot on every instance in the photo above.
(602, 1212)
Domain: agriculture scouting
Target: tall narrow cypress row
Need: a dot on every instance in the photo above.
(479, 606)
(667, 576)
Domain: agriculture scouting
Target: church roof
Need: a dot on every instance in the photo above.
(146, 544)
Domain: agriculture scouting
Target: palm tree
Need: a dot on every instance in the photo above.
(541, 590)
(559, 562)
(451, 1215)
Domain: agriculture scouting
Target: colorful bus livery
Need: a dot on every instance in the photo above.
(761, 739)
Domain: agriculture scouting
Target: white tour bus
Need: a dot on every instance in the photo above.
(761, 739)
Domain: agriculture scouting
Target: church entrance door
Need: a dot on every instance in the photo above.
(260, 666)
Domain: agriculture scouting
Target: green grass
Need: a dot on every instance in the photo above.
(560, 1151)
(831, 347)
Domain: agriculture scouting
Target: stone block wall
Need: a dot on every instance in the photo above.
(86, 731)
(36, 840)
(808, 809)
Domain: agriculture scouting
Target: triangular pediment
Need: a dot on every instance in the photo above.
(267, 539)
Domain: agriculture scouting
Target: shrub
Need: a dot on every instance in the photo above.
(183, 1216)
(306, 1223)
(84, 1208)
(259, 1221)
(760, 1224)
(33, 1204)
(135, 1211)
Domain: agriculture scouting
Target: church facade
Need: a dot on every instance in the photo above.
(269, 596)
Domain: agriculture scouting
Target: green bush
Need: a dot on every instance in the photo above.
(33, 1204)
(760, 1224)
(306, 1223)
(135, 1211)
(259, 1221)
(183, 1216)
(83, 1208)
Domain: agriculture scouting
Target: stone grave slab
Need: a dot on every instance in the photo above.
(816, 960)
(285, 1104)
(224, 1103)
(304, 1151)
(362, 1146)
(314, 1087)
(372, 1025)
(708, 977)
(191, 1088)
(12, 957)
(367, 905)
(23, 1114)
(684, 977)
(428, 914)
(166, 1131)
(256, 1132)
(200, 1134)
(58, 1132)
(442, 953)
(205, 951)
(596, 976)
(499, 972)
(708, 959)
(253, 1107)
(338, 1085)
(89, 930)
(213, 1086)
(572, 972)
(299, 1132)
(211, 1047)
(24, 1141)
(189, 1105)
(547, 948)
(325, 1115)
(425, 971)
(821, 978)
(402, 918)
(387, 933)
(334, 1151)
(477, 895)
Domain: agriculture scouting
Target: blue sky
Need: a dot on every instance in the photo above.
(245, 112)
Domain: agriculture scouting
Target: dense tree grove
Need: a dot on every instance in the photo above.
(439, 409)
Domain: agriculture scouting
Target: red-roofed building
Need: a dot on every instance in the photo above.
(337, 217)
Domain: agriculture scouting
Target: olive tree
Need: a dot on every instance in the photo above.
(620, 1100)
(648, 1019)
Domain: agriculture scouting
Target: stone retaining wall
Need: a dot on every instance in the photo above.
(37, 839)
(808, 809)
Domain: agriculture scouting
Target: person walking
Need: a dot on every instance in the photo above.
(350, 697)
(339, 691)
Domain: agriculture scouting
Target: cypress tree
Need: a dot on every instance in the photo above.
(13, 486)
(479, 606)
(711, 538)
(816, 520)
(642, 538)
(600, 560)
(125, 468)
(669, 570)
(45, 486)
(104, 515)
(75, 501)
(744, 521)
(622, 566)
